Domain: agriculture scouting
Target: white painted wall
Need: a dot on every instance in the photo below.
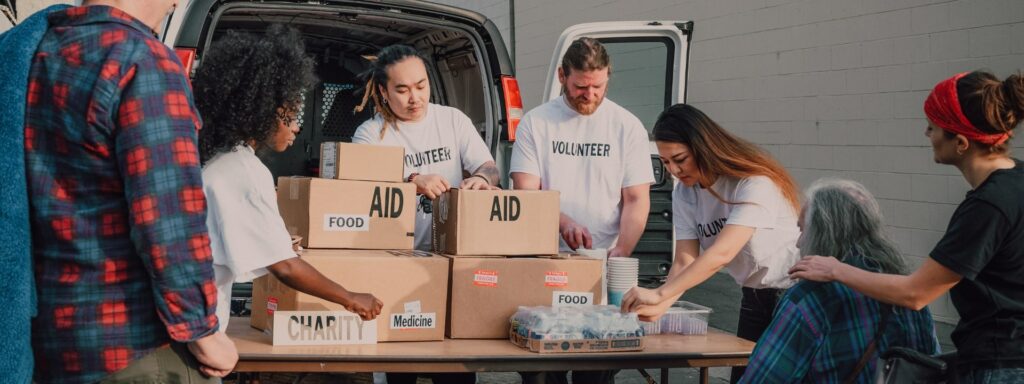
(831, 87)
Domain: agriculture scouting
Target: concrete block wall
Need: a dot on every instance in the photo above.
(831, 87)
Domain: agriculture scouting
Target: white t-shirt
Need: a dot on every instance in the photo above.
(765, 260)
(247, 233)
(588, 159)
(443, 143)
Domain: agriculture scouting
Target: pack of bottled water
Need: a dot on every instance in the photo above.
(575, 323)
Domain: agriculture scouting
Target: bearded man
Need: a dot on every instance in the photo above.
(597, 155)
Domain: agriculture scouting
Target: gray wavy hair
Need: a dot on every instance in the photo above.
(842, 219)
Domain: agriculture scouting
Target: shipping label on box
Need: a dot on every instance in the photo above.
(411, 284)
(486, 290)
(348, 214)
(506, 223)
(347, 161)
(322, 328)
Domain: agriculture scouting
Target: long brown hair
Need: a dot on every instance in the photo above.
(991, 105)
(377, 76)
(719, 153)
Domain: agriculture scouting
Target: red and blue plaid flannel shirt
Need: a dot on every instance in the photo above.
(121, 250)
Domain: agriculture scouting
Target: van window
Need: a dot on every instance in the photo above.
(640, 80)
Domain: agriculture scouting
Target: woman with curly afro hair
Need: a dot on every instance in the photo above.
(249, 92)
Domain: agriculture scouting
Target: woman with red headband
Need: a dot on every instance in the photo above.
(980, 259)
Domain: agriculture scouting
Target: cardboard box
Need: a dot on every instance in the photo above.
(503, 223)
(412, 285)
(348, 214)
(485, 291)
(578, 346)
(347, 161)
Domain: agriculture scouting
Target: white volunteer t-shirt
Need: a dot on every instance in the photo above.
(765, 260)
(588, 159)
(247, 233)
(443, 143)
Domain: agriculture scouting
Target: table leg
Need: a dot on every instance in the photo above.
(704, 375)
(664, 376)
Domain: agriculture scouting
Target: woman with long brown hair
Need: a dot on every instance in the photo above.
(980, 259)
(736, 203)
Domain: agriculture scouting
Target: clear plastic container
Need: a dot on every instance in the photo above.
(683, 318)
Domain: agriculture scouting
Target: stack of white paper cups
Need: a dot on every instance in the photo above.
(622, 276)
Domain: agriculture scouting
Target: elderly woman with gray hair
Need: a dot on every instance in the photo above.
(822, 331)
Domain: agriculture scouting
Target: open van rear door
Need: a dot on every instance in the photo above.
(649, 62)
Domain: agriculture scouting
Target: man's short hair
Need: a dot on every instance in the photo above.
(585, 54)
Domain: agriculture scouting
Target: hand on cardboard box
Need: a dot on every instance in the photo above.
(216, 354)
(365, 305)
(431, 186)
(574, 234)
(476, 183)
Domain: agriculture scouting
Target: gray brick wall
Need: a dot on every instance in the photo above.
(832, 87)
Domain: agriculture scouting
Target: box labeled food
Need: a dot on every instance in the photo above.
(506, 223)
(485, 291)
(347, 161)
(348, 214)
(412, 284)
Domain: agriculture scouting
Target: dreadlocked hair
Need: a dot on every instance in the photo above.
(376, 77)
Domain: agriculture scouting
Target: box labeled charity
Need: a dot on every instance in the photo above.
(413, 286)
(347, 161)
(496, 222)
(348, 214)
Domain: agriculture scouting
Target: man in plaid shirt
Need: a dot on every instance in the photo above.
(122, 258)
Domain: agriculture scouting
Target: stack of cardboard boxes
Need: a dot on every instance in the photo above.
(503, 252)
(500, 250)
(357, 229)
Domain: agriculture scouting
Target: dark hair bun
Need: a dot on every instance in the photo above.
(1013, 92)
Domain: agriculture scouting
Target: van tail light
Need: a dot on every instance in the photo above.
(513, 104)
(187, 57)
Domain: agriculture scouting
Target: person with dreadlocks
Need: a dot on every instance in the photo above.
(249, 92)
(440, 142)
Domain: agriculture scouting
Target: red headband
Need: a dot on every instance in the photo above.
(943, 109)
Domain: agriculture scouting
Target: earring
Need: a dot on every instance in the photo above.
(385, 101)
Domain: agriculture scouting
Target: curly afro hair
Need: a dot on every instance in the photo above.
(246, 83)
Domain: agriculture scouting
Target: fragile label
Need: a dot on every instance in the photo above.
(322, 328)
(414, 320)
(271, 305)
(556, 279)
(412, 307)
(334, 222)
(485, 278)
(566, 298)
